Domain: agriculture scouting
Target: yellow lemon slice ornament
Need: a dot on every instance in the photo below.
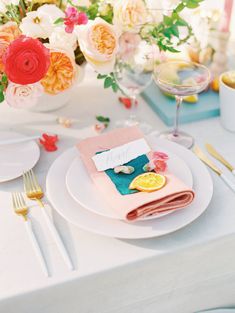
(148, 182)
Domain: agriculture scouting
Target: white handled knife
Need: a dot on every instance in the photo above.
(209, 163)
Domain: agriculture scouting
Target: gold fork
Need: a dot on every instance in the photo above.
(34, 191)
(20, 208)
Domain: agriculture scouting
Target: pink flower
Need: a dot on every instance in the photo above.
(160, 166)
(99, 127)
(23, 96)
(160, 155)
(73, 17)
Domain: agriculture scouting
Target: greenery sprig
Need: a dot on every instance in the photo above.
(109, 81)
(3, 85)
(167, 33)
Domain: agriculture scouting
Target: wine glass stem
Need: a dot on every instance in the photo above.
(178, 105)
(133, 116)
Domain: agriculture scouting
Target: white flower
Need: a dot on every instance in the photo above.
(5, 3)
(60, 39)
(98, 41)
(130, 15)
(40, 23)
(23, 96)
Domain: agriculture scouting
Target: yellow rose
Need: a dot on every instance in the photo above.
(130, 15)
(98, 41)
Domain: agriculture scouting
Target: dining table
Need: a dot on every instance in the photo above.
(189, 270)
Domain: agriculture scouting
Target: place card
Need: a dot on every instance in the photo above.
(120, 155)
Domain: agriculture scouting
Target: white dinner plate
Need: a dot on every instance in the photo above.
(16, 158)
(81, 186)
(67, 207)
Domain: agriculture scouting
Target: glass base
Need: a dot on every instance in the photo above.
(145, 127)
(182, 138)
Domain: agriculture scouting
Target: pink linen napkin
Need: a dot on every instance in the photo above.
(174, 195)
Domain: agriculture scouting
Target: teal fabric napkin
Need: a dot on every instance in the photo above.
(122, 181)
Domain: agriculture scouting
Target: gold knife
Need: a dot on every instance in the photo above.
(219, 157)
(209, 163)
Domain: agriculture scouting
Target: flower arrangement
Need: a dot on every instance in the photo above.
(44, 42)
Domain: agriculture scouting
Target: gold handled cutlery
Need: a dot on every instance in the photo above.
(20, 208)
(34, 192)
(219, 157)
(209, 163)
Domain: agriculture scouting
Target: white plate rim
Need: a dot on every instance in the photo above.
(58, 206)
(93, 210)
(37, 157)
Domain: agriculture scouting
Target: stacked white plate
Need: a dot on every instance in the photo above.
(73, 194)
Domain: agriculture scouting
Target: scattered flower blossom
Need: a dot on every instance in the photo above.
(160, 155)
(26, 61)
(99, 127)
(23, 96)
(49, 142)
(73, 18)
(127, 102)
(65, 122)
(158, 162)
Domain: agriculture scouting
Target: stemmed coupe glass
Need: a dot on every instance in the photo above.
(180, 79)
(133, 73)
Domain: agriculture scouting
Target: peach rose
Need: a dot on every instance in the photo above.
(8, 32)
(98, 41)
(11, 28)
(129, 15)
(61, 73)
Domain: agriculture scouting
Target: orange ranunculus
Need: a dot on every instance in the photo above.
(61, 73)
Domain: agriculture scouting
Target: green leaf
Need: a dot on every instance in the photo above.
(115, 87)
(1, 88)
(59, 20)
(175, 31)
(180, 7)
(102, 119)
(100, 76)
(181, 22)
(108, 82)
(2, 98)
(167, 20)
(4, 79)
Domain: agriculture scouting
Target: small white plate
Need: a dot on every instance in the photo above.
(16, 158)
(81, 186)
(67, 207)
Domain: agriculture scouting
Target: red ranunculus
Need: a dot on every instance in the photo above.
(26, 61)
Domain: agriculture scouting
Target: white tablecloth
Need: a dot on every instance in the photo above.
(187, 271)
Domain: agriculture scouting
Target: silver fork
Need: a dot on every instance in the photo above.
(34, 192)
(20, 208)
